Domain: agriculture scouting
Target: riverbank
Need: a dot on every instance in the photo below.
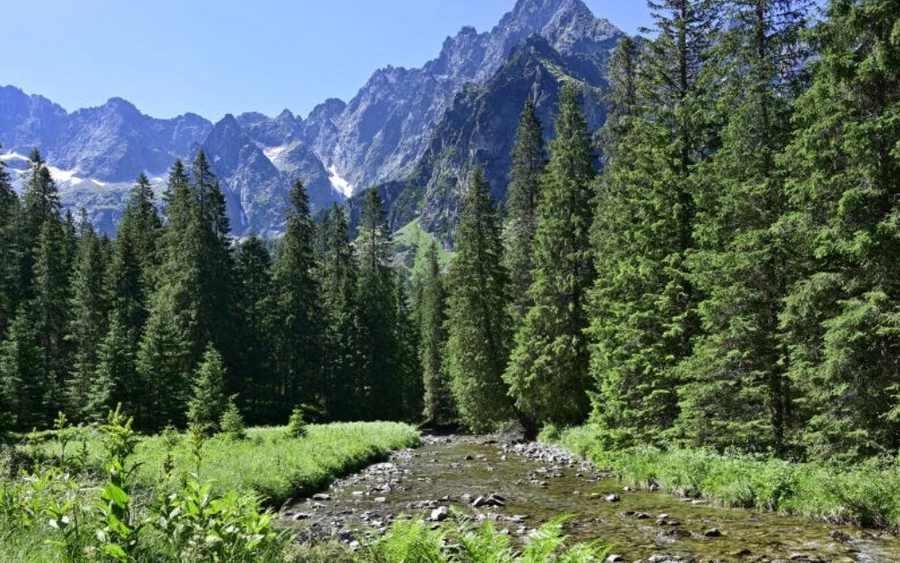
(867, 495)
(520, 487)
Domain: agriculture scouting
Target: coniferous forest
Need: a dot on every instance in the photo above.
(716, 267)
(702, 296)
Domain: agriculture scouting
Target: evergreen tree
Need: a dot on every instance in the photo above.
(736, 393)
(338, 279)
(406, 365)
(528, 161)
(209, 401)
(548, 371)
(297, 313)
(40, 205)
(133, 267)
(9, 250)
(177, 329)
(51, 306)
(432, 316)
(26, 388)
(842, 318)
(116, 380)
(477, 320)
(88, 324)
(377, 311)
(256, 381)
(643, 306)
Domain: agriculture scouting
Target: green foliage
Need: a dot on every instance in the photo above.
(431, 309)
(209, 401)
(377, 315)
(297, 315)
(864, 495)
(548, 369)
(478, 324)
(296, 427)
(523, 196)
(461, 540)
(232, 423)
(843, 164)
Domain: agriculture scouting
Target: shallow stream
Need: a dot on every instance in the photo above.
(538, 483)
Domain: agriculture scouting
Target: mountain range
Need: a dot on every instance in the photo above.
(413, 133)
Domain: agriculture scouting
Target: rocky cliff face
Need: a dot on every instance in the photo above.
(479, 128)
(383, 132)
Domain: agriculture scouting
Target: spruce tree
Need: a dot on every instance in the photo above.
(40, 205)
(26, 387)
(115, 381)
(643, 306)
(177, 329)
(432, 315)
(406, 364)
(209, 400)
(376, 296)
(50, 304)
(477, 319)
(133, 267)
(528, 161)
(256, 381)
(88, 324)
(9, 250)
(548, 371)
(736, 393)
(297, 314)
(337, 276)
(841, 319)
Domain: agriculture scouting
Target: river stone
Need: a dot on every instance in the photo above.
(615, 559)
(712, 533)
(380, 500)
(321, 496)
(612, 498)
(302, 516)
(439, 514)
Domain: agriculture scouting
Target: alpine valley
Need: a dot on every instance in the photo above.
(413, 133)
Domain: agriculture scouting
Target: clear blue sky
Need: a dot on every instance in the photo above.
(214, 57)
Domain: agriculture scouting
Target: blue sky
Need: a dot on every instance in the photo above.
(229, 56)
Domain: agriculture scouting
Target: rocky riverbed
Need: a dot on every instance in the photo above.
(519, 486)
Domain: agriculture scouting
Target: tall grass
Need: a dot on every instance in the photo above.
(268, 463)
(864, 495)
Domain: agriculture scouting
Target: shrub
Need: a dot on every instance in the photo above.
(296, 427)
(232, 423)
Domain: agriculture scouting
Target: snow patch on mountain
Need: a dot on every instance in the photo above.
(339, 183)
(275, 154)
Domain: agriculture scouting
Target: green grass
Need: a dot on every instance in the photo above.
(865, 495)
(181, 511)
(267, 463)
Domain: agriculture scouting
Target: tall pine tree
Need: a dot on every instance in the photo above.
(338, 281)
(548, 371)
(477, 320)
(297, 314)
(643, 306)
(736, 393)
(88, 323)
(528, 161)
(842, 319)
(432, 316)
(377, 312)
